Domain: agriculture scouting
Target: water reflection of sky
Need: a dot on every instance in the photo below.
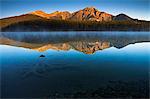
(131, 53)
(68, 70)
(139, 48)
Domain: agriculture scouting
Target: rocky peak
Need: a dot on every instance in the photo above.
(90, 9)
(92, 14)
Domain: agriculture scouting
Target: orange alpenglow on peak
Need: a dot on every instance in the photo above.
(55, 15)
(88, 13)
(40, 13)
(92, 14)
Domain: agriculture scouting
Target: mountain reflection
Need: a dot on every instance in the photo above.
(86, 42)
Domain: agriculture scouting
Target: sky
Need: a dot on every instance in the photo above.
(138, 9)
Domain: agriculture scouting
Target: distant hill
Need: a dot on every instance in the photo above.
(86, 19)
(122, 17)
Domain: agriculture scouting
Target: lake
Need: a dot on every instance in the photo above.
(74, 64)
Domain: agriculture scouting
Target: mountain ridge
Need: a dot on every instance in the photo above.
(87, 19)
(85, 14)
(88, 13)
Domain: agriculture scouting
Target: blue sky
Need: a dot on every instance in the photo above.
(135, 8)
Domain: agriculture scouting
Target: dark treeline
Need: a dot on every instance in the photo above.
(66, 25)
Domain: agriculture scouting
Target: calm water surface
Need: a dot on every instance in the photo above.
(74, 64)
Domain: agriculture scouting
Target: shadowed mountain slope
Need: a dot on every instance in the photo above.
(122, 17)
(12, 20)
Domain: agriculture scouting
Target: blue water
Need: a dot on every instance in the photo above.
(25, 74)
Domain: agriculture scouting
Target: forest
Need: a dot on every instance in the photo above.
(69, 25)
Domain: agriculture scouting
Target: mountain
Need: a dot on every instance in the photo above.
(87, 19)
(55, 15)
(92, 14)
(89, 13)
